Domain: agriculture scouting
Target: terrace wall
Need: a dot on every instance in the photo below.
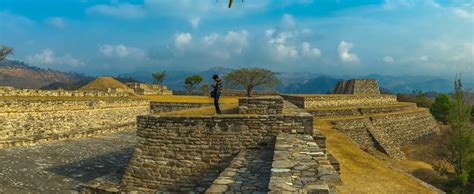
(10, 91)
(341, 100)
(24, 122)
(174, 153)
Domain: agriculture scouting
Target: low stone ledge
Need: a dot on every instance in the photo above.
(159, 107)
(261, 105)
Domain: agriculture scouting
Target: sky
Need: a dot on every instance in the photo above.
(334, 37)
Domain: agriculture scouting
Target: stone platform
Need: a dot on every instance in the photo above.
(233, 152)
(375, 121)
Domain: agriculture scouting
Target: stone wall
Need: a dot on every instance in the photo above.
(301, 166)
(321, 101)
(10, 91)
(158, 107)
(243, 93)
(261, 105)
(174, 152)
(149, 89)
(35, 121)
(390, 131)
(357, 86)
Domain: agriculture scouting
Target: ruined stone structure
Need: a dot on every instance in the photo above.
(149, 89)
(236, 152)
(371, 120)
(26, 121)
(357, 86)
(13, 92)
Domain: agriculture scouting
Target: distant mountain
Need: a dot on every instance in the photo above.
(319, 85)
(307, 83)
(21, 75)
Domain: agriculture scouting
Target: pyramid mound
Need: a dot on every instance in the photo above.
(105, 84)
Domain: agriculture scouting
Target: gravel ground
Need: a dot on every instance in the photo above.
(59, 167)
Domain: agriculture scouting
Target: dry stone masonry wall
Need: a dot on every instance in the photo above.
(261, 105)
(321, 101)
(388, 132)
(10, 91)
(188, 146)
(26, 122)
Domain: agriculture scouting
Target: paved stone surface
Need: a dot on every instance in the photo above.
(61, 166)
(248, 172)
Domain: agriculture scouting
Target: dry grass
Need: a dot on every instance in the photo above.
(191, 99)
(362, 172)
(205, 111)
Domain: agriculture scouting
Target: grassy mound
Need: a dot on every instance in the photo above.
(103, 83)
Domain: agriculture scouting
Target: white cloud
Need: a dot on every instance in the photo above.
(48, 57)
(424, 58)
(121, 51)
(56, 22)
(465, 13)
(195, 21)
(388, 59)
(234, 41)
(396, 4)
(279, 47)
(124, 10)
(344, 54)
(182, 40)
(310, 52)
(288, 21)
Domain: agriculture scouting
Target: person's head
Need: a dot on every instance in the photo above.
(215, 77)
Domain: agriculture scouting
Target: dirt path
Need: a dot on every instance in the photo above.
(362, 172)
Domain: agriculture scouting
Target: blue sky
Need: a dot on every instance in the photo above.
(336, 37)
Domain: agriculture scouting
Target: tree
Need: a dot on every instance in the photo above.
(159, 77)
(441, 106)
(205, 88)
(191, 83)
(460, 142)
(422, 100)
(4, 52)
(249, 78)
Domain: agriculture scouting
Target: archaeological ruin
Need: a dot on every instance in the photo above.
(268, 144)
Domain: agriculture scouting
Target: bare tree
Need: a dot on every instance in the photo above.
(4, 52)
(250, 78)
(159, 77)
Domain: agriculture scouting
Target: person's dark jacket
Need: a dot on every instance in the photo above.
(218, 86)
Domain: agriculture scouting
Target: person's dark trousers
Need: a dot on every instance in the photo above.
(217, 95)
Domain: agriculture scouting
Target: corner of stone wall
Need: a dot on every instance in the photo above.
(300, 165)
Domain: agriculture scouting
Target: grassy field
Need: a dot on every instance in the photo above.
(191, 99)
(362, 172)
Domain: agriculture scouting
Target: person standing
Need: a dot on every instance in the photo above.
(216, 92)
